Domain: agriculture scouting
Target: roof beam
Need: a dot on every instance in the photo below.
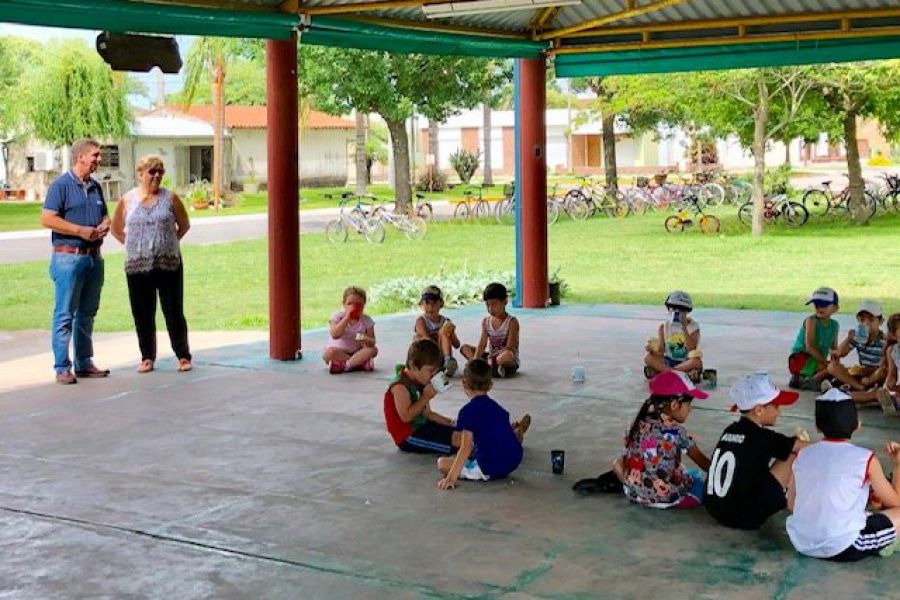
(611, 18)
(741, 21)
(725, 41)
(339, 9)
(542, 17)
(436, 26)
(217, 4)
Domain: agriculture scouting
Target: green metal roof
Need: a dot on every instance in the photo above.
(673, 60)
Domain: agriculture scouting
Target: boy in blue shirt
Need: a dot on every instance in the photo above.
(489, 447)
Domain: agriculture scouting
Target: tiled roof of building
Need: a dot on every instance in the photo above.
(254, 117)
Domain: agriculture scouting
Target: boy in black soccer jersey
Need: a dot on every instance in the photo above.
(744, 487)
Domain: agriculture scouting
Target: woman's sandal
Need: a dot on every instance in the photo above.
(184, 365)
(146, 366)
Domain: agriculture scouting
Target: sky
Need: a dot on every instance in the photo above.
(174, 83)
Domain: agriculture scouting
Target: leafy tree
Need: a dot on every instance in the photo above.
(245, 85)
(341, 80)
(17, 57)
(604, 89)
(852, 91)
(74, 94)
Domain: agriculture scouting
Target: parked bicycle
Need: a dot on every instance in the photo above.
(506, 208)
(355, 220)
(422, 208)
(778, 206)
(822, 200)
(409, 224)
(472, 205)
(685, 218)
(592, 198)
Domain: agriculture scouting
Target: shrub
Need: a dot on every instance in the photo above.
(459, 288)
(880, 160)
(465, 163)
(431, 179)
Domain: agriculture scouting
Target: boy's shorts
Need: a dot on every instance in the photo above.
(878, 534)
(770, 499)
(801, 363)
(471, 470)
(429, 438)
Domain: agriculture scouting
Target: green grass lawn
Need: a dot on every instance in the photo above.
(18, 216)
(604, 261)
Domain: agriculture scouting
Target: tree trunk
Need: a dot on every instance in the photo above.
(609, 150)
(362, 173)
(218, 134)
(854, 170)
(433, 147)
(487, 175)
(787, 153)
(760, 121)
(400, 146)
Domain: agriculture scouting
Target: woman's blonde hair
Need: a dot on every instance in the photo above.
(148, 162)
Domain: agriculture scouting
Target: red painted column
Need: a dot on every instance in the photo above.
(533, 187)
(284, 188)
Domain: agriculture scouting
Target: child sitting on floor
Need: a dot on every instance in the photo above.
(352, 344)
(677, 342)
(489, 447)
(887, 395)
(751, 464)
(863, 380)
(436, 327)
(412, 424)
(650, 465)
(830, 488)
(808, 361)
(499, 334)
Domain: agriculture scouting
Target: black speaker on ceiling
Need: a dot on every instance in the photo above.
(128, 52)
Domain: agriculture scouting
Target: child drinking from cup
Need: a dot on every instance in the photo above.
(862, 381)
(352, 344)
(431, 324)
(411, 423)
(677, 341)
(499, 339)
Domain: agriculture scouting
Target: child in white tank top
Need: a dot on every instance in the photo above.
(829, 492)
(499, 339)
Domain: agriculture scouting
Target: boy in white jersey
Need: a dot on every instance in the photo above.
(830, 488)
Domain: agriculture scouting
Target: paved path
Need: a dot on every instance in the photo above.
(248, 478)
(22, 246)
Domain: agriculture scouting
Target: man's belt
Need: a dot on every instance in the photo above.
(92, 251)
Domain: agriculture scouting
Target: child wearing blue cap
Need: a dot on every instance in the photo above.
(817, 338)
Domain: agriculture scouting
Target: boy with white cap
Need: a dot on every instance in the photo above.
(808, 361)
(830, 488)
(677, 342)
(863, 380)
(744, 486)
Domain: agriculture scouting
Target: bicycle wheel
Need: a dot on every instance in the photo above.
(552, 211)
(710, 224)
(745, 213)
(415, 227)
(579, 210)
(712, 193)
(505, 212)
(425, 211)
(871, 204)
(622, 209)
(794, 213)
(461, 211)
(481, 210)
(674, 224)
(373, 231)
(893, 200)
(336, 231)
(816, 202)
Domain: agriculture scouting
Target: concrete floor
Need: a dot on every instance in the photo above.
(253, 479)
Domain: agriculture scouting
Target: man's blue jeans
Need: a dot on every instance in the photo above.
(78, 279)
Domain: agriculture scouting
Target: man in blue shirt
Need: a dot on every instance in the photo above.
(76, 212)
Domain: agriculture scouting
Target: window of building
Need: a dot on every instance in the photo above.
(109, 157)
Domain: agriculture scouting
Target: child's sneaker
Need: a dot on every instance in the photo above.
(887, 401)
(501, 371)
(795, 382)
(450, 366)
(825, 385)
(369, 365)
(337, 366)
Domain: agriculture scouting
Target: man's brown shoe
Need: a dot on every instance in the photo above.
(92, 372)
(66, 378)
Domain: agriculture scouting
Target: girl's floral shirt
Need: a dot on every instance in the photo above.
(652, 462)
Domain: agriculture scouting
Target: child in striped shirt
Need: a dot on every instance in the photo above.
(862, 381)
(499, 341)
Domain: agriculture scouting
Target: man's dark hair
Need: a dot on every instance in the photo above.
(837, 420)
(495, 291)
(477, 375)
(423, 353)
